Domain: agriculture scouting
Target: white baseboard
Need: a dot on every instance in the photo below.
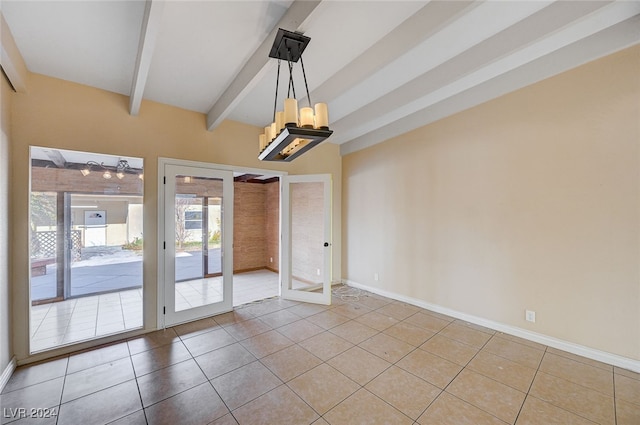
(7, 372)
(580, 350)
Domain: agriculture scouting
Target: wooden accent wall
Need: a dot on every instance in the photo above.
(249, 236)
(65, 180)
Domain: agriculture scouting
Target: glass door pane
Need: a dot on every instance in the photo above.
(198, 216)
(306, 204)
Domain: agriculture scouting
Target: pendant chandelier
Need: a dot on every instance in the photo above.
(292, 132)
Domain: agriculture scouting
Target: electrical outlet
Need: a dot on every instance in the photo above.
(530, 316)
(318, 272)
(271, 259)
(376, 277)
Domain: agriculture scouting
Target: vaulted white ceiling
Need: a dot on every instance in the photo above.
(384, 67)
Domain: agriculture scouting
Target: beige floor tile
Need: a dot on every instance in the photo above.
(503, 370)
(522, 341)
(387, 347)
(578, 372)
(372, 301)
(208, 341)
(351, 310)
(245, 384)
(404, 391)
(365, 408)
(158, 358)
(433, 369)
(247, 329)
(465, 334)
(188, 330)
(323, 387)
(224, 360)
(628, 389)
(290, 362)
(627, 373)
(306, 309)
(227, 419)
(491, 396)
(97, 356)
(354, 332)
(96, 378)
(359, 365)
(398, 310)
(136, 418)
(536, 412)
(580, 359)
(36, 373)
(236, 316)
(328, 319)
(376, 320)
(515, 351)
(450, 410)
(627, 413)
(152, 340)
(325, 345)
(300, 330)
(279, 318)
(450, 349)
(164, 383)
(409, 333)
(593, 405)
(428, 321)
(41, 395)
(123, 399)
(200, 404)
(278, 406)
(475, 327)
(266, 343)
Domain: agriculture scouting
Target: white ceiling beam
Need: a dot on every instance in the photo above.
(257, 65)
(488, 59)
(617, 37)
(148, 35)
(11, 60)
(434, 16)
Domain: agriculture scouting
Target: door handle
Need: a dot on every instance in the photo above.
(326, 244)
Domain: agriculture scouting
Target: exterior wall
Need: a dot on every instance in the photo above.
(6, 346)
(530, 201)
(249, 236)
(272, 213)
(60, 114)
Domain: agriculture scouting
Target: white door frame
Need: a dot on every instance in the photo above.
(162, 161)
(286, 255)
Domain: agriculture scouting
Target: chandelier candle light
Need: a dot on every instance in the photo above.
(293, 131)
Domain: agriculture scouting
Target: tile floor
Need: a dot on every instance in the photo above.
(361, 360)
(84, 318)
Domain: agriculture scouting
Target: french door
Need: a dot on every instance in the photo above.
(198, 242)
(305, 259)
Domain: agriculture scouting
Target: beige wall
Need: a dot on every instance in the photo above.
(56, 113)
(6, 350)
(530, 201)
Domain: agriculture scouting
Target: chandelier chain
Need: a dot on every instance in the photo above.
(306, 86)
(275, 102)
